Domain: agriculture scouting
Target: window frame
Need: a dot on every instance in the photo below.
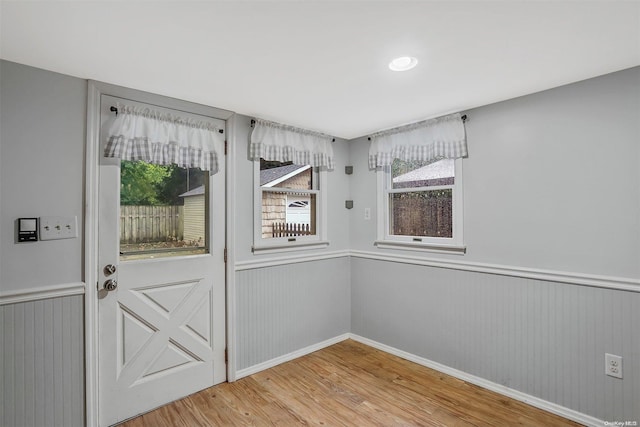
(386, 240)
(285, 244)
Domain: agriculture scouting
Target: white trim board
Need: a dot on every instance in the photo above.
(609, 282)
(92, 142)
(230, 218)
(571, 278)
(43, 292)
(290, 356)
(486, 384)
(292, 259)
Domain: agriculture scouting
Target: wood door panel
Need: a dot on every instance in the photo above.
(169, 361)
(135, 335)
(165, 328)
(199, 324)
(167, 296)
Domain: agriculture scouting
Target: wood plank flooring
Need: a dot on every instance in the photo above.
(347, 384)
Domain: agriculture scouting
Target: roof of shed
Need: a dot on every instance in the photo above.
(441, 169)
(270, 175)
(198, 191)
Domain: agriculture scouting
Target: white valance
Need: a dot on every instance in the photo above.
(163, 139)
(429, 140)
(275, 141)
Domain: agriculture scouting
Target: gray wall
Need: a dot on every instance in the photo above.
(541, 338)
(552, 182)
(285, 308)
(42, 134)
(42, 363)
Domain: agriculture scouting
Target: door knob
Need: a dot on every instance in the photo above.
(110, 285)
(109, 269)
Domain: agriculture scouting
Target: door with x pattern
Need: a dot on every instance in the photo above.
(162, 299)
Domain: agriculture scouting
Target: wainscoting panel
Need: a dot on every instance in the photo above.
(285, 308)
(42, 363)
(542, 338)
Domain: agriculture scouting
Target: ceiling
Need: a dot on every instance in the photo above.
(323, 65)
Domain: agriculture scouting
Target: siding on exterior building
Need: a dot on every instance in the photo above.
(274, 205)
(194, 219)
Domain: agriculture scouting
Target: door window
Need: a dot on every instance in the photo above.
(163, 211)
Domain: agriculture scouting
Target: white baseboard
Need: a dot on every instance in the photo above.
(290, 356)
(489, 385)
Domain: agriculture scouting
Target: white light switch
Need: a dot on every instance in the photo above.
(58, 227)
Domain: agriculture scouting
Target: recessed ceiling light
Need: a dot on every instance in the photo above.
(403, 63)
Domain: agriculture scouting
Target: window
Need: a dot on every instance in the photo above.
(163, 210)
(288, 200)
(421, 205)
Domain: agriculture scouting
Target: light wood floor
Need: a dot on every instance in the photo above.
(347, 384)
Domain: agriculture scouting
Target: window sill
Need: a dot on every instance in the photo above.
(289, 247)
(421, 247)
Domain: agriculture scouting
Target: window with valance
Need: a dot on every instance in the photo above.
(419, 168)
(290, 166)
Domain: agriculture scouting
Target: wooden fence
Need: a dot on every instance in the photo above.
(419, 214)
(151, 223)
(284, 229)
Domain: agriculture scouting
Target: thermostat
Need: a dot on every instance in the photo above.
(27, 229)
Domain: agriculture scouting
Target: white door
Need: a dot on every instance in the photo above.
(162, 329)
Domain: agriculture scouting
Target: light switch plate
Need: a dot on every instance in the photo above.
(58, 227)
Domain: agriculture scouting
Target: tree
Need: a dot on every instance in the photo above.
(139, 182)
(179, 181)
(142, 183)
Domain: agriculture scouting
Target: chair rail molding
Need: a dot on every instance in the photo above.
(571, 278)
(608, 282)
(42, 292)
(293, 259)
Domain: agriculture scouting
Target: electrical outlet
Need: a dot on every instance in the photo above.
(367, 213)
(58, 227)
(613, 365)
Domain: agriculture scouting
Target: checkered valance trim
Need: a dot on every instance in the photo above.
(283, 143)
(429, 141)
(160, 153)
(162, 139)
